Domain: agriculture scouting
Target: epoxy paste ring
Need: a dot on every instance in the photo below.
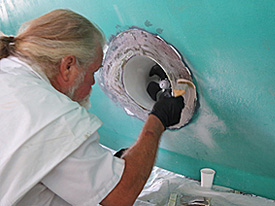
(137, 43)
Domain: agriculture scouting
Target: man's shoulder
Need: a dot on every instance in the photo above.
(26, 87)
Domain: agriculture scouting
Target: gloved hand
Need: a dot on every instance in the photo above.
(168, 110)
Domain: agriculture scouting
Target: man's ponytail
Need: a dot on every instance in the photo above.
(7, 46)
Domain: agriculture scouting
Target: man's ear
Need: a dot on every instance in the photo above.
(68, 68)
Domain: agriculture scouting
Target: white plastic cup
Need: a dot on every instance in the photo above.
(207, 176)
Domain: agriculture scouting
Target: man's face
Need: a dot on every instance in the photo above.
(83, 90)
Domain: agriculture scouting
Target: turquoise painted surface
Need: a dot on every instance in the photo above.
(230, 46)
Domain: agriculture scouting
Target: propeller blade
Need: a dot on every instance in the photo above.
(157, 70)
(152, 89)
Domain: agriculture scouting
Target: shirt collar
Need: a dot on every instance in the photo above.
(40, 75)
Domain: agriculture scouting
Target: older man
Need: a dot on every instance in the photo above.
(49, 150)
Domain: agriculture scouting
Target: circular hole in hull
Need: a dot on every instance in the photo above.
(125, 74)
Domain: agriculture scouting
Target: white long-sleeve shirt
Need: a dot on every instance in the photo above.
(49, 144)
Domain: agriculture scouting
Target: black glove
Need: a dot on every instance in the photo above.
(120, 152)
(168, 110)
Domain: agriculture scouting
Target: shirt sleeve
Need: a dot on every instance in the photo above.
(87, 176)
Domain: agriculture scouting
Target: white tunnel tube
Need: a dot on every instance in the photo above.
(136, 79)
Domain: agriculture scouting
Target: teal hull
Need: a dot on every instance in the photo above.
(230, 46)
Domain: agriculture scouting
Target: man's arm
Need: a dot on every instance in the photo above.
(140, 158)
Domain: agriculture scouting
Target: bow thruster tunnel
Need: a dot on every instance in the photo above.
(139, 68)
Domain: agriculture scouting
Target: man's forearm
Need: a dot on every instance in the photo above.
(139, 160)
